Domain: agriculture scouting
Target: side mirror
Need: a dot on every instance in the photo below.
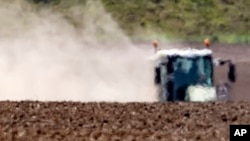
(232, 72)
(157, 78)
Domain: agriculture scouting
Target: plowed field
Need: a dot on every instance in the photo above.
(29, 121)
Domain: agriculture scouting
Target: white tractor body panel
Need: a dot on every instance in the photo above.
(181, 52)
(201, 94)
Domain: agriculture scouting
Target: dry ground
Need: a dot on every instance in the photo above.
(29, 121)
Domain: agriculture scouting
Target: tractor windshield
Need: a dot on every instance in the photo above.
(193, 71)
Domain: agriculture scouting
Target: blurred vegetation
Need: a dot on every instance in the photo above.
(64, 7)
(221, 20)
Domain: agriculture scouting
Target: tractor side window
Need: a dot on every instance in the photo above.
(208, 63)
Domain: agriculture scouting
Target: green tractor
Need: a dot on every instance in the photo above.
(188, 75)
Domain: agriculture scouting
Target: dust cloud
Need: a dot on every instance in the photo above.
(43, 56)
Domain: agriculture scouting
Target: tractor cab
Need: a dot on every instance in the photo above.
(185, 75)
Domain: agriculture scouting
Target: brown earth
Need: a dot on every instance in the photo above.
(31, 121)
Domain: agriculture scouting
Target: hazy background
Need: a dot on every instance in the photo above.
(44, 57)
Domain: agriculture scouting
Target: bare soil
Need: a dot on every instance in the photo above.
(29, 121)
(180, 121)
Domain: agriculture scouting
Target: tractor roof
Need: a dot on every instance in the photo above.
(183, 52)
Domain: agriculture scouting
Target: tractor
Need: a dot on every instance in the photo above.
(188, 75)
